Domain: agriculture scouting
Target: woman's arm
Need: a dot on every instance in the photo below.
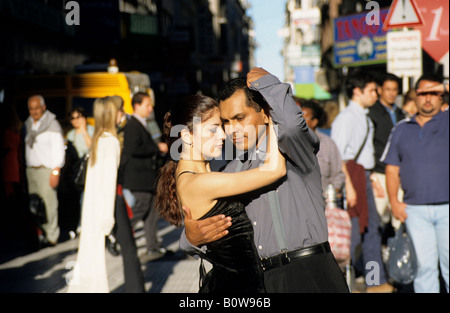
(215, 185)
(350, 191)
(84, 132)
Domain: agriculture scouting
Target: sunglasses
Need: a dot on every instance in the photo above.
(75, 117)
(429, 93)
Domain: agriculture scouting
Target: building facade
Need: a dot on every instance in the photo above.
(185, 46)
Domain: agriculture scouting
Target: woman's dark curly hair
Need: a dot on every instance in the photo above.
(181, 116)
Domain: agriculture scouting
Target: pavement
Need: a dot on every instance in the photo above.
(46, 270)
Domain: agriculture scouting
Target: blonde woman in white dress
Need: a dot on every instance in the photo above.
(97, 219)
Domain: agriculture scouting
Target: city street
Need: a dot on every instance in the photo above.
(47, 270)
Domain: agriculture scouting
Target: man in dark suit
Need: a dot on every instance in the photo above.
(139, 174)
(384, 115)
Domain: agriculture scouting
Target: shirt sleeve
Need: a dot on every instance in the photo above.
(71, 135)
(58, 152)
(391, 154)
(189, 249)
(340, 134)
(295, 139)
(338, 176)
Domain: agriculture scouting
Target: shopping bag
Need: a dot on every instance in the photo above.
(402, 260)
(339, 232)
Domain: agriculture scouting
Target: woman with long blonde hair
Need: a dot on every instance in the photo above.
(97, 219)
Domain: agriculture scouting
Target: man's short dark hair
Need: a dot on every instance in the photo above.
(138, 98)
(317, 111)
(359, 80)
(429, 77)
(254, 98)
(389, 77)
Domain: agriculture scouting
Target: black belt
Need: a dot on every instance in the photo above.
(290, 256)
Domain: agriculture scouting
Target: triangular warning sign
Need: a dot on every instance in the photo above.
(403, 13)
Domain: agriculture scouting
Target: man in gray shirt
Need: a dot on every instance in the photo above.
(288, 217)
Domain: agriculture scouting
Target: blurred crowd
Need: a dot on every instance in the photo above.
(48, 158)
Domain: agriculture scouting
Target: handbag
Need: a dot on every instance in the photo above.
(357, 175)
(79, 177)
(339, 227)
(402, 259)
(37, 209)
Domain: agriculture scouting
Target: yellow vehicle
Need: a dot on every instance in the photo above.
(63, 92)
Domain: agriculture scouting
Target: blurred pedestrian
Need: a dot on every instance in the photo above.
(97, 218)
(44, 155)
(417, 158)
(384, 115)
(353, 132)
(331, 109)
(123, 231)
(81, 138)
(82, 132)
(14, 209)
(11, 157)
(329, 157)
(409, 103)
(139, 173)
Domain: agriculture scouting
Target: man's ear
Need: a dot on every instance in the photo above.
(357, 91)
(266, 116)
(314, 122)
(379, 90)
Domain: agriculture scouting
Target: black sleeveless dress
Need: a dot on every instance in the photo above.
(236, 263)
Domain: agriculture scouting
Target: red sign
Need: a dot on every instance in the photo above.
(435, 36)
(403, 13)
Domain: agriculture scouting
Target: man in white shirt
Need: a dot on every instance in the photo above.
(353, 131)
(44, 156)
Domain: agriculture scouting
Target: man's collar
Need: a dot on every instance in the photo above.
(258, 153)
(142, 120)
(436, 117)
(358, 107)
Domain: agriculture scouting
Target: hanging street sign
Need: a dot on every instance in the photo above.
(404, 53)
(435, 31)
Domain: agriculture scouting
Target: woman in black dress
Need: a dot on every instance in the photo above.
(195, 127)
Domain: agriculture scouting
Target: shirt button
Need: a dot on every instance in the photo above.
(254, 223)
(256, 85)
(260, 247)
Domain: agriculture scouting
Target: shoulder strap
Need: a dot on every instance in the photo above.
(186, 172)
(365, 139)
